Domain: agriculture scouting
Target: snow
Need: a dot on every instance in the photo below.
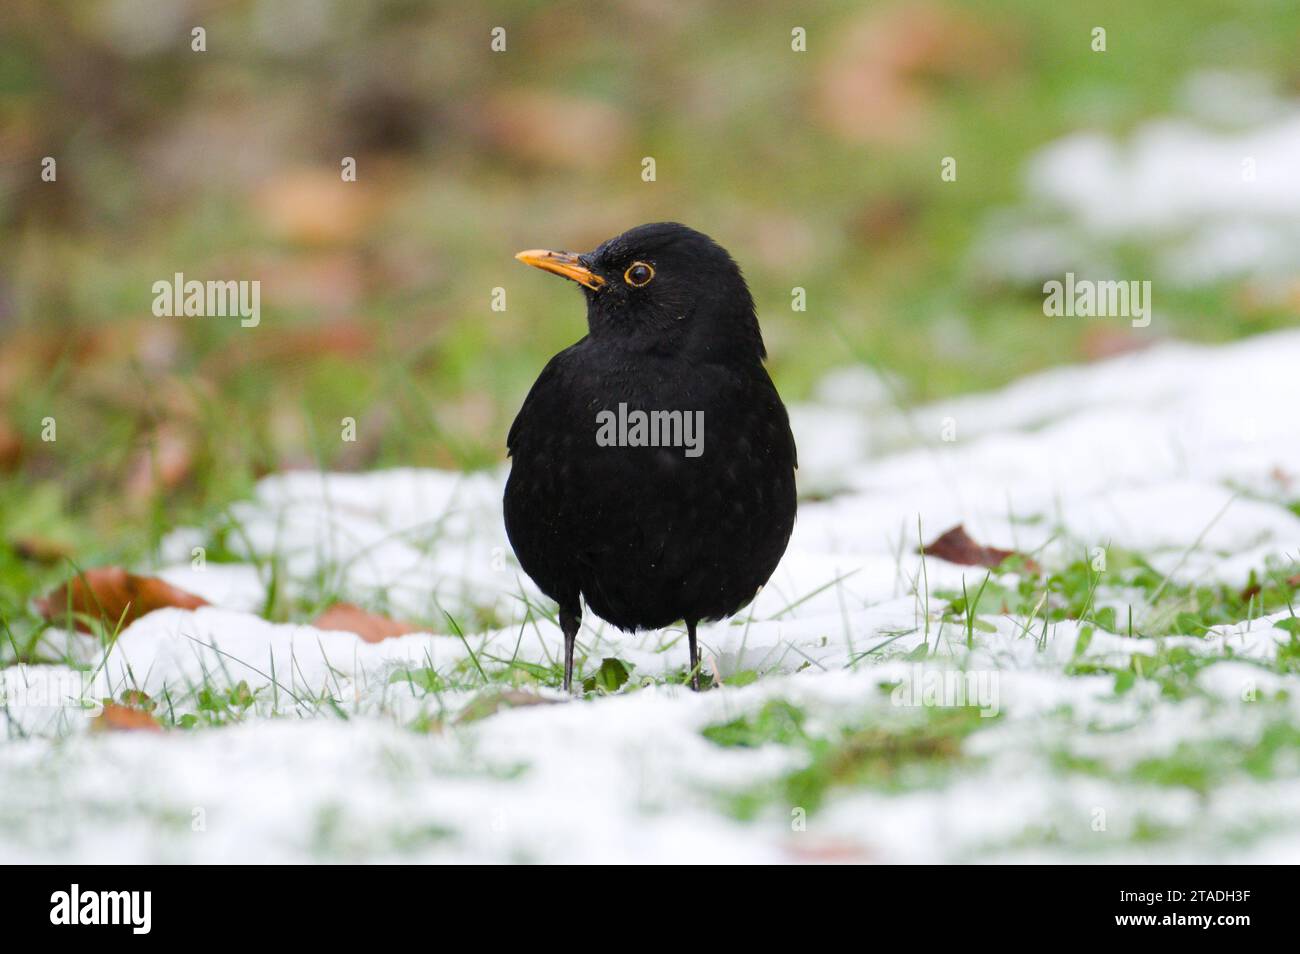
(630, 776)
(1215, 193)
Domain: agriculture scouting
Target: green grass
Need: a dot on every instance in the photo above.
(1153, 605)
(892, 752)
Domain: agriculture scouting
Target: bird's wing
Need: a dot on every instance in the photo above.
(543, 389)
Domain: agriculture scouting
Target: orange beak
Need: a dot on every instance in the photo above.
(565, 264)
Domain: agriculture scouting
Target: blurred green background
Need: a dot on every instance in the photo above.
(817, 169)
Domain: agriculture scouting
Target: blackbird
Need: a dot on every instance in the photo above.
(653, 468)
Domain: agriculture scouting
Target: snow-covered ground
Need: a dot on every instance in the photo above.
(1213, 195)
(1076, 741)
(1182, 452)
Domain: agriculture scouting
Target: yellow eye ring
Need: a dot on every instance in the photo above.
(643, 272)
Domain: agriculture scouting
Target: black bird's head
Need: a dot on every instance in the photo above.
(664, 288)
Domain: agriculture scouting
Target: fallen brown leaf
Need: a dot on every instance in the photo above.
(956, 546)
(372, 627)
(118, 718)
(110, 593)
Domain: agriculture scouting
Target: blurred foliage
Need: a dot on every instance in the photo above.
(817, 169)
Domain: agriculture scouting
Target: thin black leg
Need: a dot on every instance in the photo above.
(695, 656)
(569, 623)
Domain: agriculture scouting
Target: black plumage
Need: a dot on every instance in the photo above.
(650, 535)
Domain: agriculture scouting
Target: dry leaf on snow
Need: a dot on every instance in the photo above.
(956, 546)
(118, 718)
(111, 594)
(372, 627)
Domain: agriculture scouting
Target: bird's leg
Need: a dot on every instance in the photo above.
(695, 656)
(569, 623)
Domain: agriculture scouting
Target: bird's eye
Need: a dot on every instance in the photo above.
(638, 274)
